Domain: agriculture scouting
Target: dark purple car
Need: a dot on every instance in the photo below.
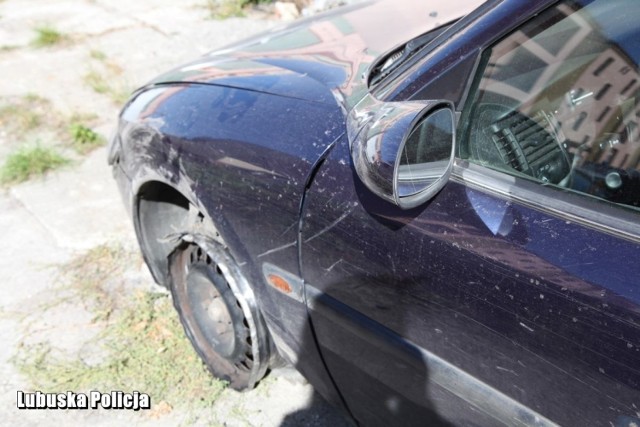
(434, 217)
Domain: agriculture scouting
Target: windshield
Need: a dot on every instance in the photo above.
(393, 59)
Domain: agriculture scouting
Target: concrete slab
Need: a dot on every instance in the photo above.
(138, 40)
(56, 74)
(20, 19)
(80, 207)
(28, 254)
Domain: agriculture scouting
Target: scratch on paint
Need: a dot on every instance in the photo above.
(526, 327)
(329, 227)
(357, 267)
(500, 368)
(289, 228)
(328, 270)
(279, 248)
(519, 389)
(393, 264)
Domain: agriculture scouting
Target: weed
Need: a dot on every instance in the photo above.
(84, 139)
(32, 97)
(222, 9)
(103, 82)
(47, 36)
(20, 115)
(98, 55)
(28, 162)
(21, 118)
(98, 82)
(120, 95)
(90, 274)
(144, 344)
(31, 117)
(84, 117)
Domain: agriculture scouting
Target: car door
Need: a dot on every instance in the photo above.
(512, 296)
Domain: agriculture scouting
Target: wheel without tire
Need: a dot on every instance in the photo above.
(213, 317)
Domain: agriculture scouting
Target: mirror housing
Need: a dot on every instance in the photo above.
(403, 151)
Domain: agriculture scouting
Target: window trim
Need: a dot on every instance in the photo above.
(589, 211)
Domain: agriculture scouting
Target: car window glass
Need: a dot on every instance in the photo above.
(558, 101)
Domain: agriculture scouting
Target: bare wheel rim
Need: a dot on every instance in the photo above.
(212, 316)
(210, 312)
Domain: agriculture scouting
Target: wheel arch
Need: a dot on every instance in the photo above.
(165, 220)
(159, 211)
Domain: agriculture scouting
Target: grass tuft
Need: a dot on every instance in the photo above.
(222, 9)
(21, 118)
(32, 118)
(84, 138)
(143, 342)
(24, 114)
(97, 82)
(100, 84)
(98, 55)
(47, 36)
(28, 162)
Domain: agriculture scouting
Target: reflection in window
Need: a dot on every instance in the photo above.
(558, 101)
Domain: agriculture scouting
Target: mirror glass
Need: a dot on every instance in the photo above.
(426, 154)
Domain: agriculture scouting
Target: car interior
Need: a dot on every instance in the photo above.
(557, 102)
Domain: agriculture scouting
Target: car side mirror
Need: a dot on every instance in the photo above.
(403, 151)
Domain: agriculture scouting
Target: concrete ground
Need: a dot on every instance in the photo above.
(45, 222)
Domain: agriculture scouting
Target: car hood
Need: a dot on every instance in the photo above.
(324, 58)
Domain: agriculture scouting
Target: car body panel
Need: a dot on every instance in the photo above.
(181, 135)
(473, 309)
(517, 298)
(323, 59)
